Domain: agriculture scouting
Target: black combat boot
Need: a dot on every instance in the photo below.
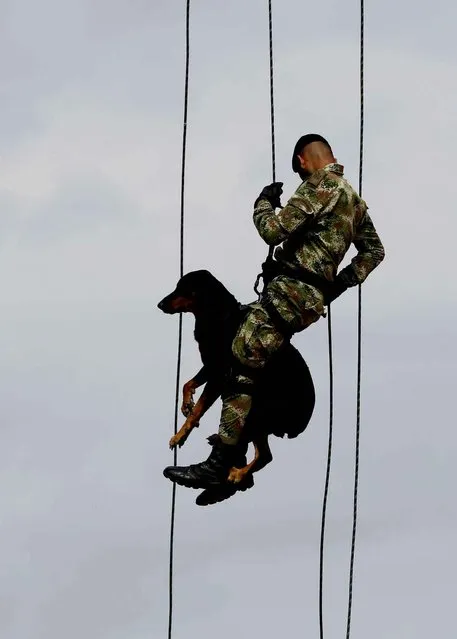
(211, 473)
(221, 492)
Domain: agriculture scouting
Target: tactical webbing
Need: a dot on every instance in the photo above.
(272, 269)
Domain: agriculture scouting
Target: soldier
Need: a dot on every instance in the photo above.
(313, 233)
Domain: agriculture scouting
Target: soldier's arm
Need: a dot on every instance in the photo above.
(273, 227)
(370, 253)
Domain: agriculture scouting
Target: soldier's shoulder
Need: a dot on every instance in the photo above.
(304, 198)
(332, 182)
(324, 180)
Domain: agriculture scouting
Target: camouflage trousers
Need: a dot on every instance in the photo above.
(257, 339)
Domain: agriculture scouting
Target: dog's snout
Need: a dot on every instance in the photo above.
(171, 304)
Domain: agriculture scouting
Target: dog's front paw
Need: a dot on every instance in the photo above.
(180, 438)
(177, 440)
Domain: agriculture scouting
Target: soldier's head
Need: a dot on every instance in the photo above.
(311, 153)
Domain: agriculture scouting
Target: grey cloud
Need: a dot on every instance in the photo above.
(80, 206)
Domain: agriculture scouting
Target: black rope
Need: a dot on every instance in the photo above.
(362, 99)
(272, 105)
(327, 479)
(178, 363)
(359, 335)
(272, 120)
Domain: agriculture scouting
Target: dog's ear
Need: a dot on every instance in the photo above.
(206, 289)
(203, 276)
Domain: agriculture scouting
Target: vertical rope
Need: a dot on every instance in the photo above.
(359, 332)
(362, 91)
(178, 363)
(272, 106)
(272, 119)
(327, 478)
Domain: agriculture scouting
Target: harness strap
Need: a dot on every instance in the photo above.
(277, 319)
(271, 269)
(232, 386)
(307, 277)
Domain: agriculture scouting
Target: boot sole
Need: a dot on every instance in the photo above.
(216, 495)
(187, 482)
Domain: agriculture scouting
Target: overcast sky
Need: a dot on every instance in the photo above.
(91, 97)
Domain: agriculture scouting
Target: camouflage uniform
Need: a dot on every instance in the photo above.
(316, 228)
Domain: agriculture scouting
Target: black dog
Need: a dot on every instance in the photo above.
(283, 396)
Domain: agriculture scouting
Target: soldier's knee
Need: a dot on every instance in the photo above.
(244, 345)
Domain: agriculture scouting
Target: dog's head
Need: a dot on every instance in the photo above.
(197, 290)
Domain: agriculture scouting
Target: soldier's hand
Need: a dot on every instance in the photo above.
(272, 193)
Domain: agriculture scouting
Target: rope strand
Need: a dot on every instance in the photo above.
(359, 333)
(272, 105)
(178, 362)
(327, 479)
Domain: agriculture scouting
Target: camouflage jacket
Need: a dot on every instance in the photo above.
(316, 228)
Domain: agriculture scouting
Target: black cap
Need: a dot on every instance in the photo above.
(302, 142)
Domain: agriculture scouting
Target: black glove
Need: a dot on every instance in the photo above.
(336, 289)
(272, 193)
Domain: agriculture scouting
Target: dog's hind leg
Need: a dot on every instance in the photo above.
(262, 457)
